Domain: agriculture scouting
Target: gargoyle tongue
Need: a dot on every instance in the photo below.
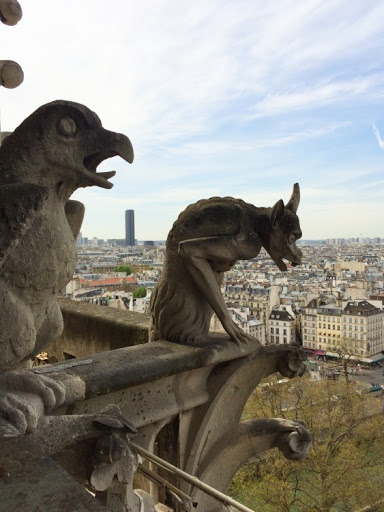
(106, 175)
(281, 265)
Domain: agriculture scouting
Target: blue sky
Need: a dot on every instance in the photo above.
(239, 98)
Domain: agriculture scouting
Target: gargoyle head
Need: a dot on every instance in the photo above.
(64, 142)
(284, 230)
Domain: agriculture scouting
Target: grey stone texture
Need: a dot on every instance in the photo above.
(206, 240)
(10, 12)
(11, 73)
(52, 153)
(157, 386)
(90, 329)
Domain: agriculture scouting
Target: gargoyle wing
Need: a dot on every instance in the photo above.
(74, 211)
(20, 203)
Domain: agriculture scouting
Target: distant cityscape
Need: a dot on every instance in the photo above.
(332, 303)
(328, 241)
(130, 240)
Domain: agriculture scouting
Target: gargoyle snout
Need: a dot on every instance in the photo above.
(119, 143)
(105, 144)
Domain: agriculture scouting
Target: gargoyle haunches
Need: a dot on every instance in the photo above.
(204, 242)
(52, 153)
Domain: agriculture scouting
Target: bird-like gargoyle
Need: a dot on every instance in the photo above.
(52, 153)
(204, 242)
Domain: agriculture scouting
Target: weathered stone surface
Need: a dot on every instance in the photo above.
(52, 153)
(90, 329)
(206, 240)
(121, 368)
(154, 384)
(44, 486)
(11, 74)
(10, 12)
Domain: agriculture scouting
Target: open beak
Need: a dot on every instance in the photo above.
(106, 145)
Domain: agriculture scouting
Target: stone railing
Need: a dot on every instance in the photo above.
(89, 329)
(185, 402)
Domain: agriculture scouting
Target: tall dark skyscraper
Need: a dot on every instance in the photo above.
(129, 227)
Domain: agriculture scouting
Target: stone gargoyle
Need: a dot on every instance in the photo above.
(205, 241)
(52, 153)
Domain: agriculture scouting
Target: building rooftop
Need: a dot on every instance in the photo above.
(360, 307)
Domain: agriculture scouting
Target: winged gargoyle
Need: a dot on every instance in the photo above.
(207, 239)
(52, 153)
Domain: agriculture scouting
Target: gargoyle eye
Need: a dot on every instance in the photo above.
(67, 127)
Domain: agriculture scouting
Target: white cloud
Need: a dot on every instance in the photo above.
(318, 96)
(221, 92)
(378, 137)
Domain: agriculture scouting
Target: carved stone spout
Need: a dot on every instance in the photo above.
(206, 240)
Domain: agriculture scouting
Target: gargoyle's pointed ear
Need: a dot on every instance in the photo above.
(277, 211)
(294, 201)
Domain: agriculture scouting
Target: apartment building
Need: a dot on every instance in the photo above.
(282, 325)
(308, 325)
(247, 323)
(242, 319)
(362, 328)
(328, 327)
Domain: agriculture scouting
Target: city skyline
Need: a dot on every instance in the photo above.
(340, 241)
(218, 99)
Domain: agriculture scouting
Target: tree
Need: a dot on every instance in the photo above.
(140, 293)
(345, 469)
(124, 268)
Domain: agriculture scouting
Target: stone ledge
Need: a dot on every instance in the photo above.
(90, 329)
(122, 368)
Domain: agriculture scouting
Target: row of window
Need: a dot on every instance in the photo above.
(277, 339)
(277, 330)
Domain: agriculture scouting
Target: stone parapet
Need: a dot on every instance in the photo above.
(186, 404)
(90, 329)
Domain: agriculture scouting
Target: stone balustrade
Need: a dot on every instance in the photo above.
(185, 401)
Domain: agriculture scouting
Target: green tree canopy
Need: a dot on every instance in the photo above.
(345, 469)
(124, 268)
(140, 293)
